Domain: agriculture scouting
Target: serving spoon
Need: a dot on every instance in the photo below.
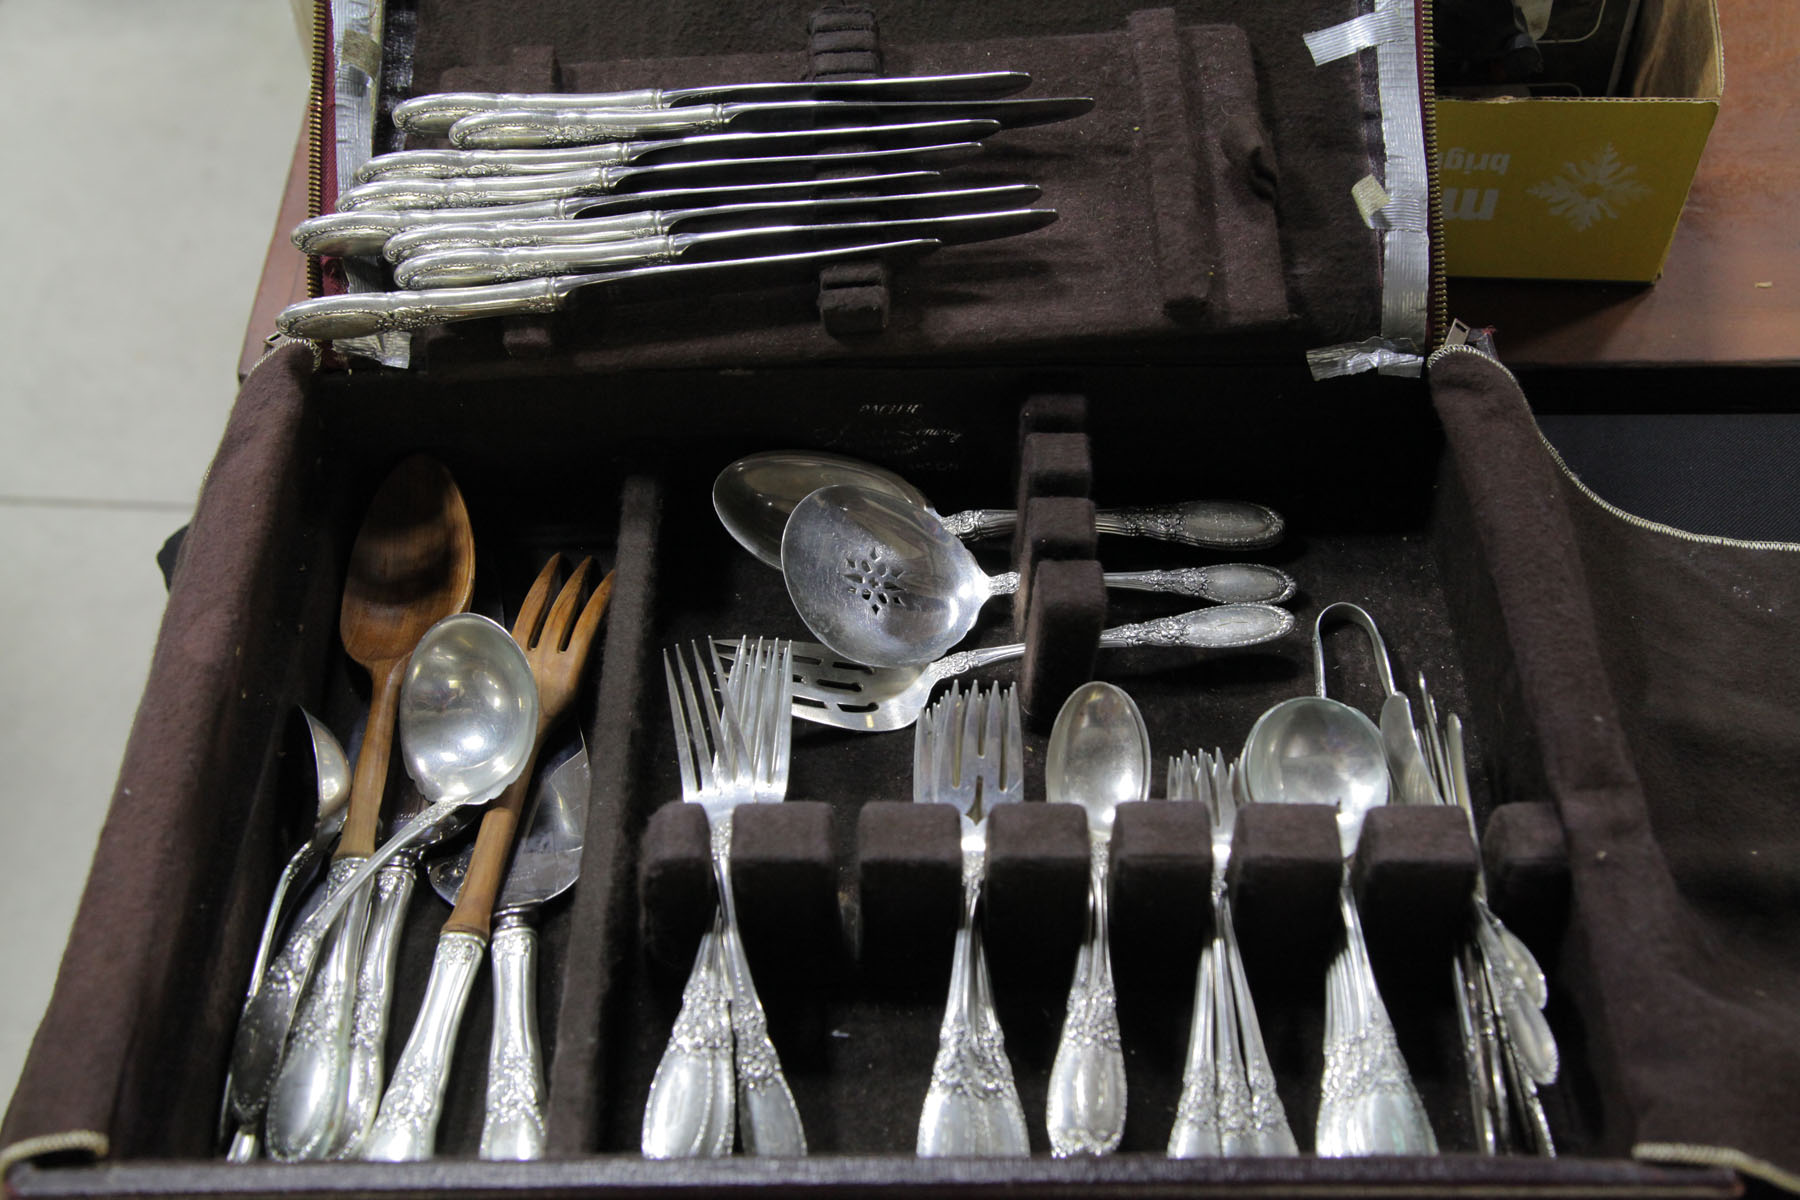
(1315, 750)
(754, 495)
(413, 562)
(880, 579)
(1099, 757)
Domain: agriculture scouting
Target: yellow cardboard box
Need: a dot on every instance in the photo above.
(1584, 188)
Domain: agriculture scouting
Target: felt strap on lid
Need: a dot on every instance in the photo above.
(844, 43)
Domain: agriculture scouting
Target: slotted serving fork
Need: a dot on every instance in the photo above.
(733, 734)
(968, 751)
(833, 690)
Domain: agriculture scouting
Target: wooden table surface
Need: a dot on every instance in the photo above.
(1730, 294)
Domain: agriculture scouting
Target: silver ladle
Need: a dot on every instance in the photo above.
(1315, 750)
(1099, 757)
(880, 579)
(754, 495)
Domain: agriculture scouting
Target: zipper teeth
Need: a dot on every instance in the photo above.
(1437, 300)
(1692, 1154)
(315, 133)
(1644, 523)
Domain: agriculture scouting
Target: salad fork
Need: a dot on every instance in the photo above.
(967, 751)
(1229, 1105)
(733, 733)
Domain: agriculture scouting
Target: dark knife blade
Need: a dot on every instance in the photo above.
(577, 127)
(470, 267)
(435, 113)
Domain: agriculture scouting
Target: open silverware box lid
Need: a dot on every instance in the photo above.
(1629, 694)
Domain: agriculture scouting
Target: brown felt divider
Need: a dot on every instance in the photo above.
(1413, 874)
(1055, 528)
(1526, 860)
(845, 43)
(1161, 884)
(676, 894)
(1035, 899)
(1062, 636)
(784, 879)
(908, 884)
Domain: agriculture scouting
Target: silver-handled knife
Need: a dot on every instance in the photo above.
(581, 126)
(368, 231)
(546, 862)
(329, 317)
(478, 266)
(707, 158)
(436, 113)
(719, 206)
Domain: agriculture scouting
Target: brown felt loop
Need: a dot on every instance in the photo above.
(1054, 464)
(675, 883)
(1036, 891)
(1413, 875)
(1284, 875)
(1526, 860)
(1055, 528)
(1180, 188)
(909, 882)
(1062, 636)
(1053, 412)
(1161, 875)
(784, 882)
(844, 43)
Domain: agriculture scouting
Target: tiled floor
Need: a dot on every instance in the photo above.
(145, 158)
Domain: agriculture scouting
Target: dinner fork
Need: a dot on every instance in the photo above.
(556, 638)
(733, 748)
(968, 751)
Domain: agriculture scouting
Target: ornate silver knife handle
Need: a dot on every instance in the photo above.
(306, 1104)
(368, 230)
(436, 113)
(1218, 524)
(389, 194)
(484, 164)
(513, 1128)
(406, 1127)
(477, 265)
(572, 126)
(1214, 524)
(511, 233)
(1086, 1108)
(1227, 627)
(358, 314)
(374, 999)
(691, 1112)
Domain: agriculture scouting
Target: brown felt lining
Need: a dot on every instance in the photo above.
(1472, 578)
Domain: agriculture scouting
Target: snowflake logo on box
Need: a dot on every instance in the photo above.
(1589, 192)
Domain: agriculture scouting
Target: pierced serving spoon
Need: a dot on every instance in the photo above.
(1099, 757)
(754, 495)
(1315, 750)
(881, 580)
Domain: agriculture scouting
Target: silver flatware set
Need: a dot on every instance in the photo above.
(766, 182)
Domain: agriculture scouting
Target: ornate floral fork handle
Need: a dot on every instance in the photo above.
(972, 1106)
(1087, 1081)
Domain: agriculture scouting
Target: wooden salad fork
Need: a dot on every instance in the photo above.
(556, 645)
